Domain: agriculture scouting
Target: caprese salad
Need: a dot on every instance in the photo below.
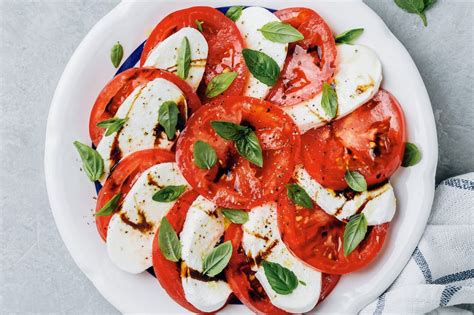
(247, 156)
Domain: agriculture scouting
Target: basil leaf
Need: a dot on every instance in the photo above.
(354, 232)
(110, 206)
(199, 25)
(246, 141)
(280, 32)
(235, 216)
(282, 280)
(228, 130)
(348, 36)
(249, 147)
(217, 259)
(112, 125)
(413, 6)
(92, 162)
(168, 241)
(168, 118)
(169, 193)
(184, 59)
(204, 155)
(116, 54)
(234, 12)
(299, 196)
(355, 180)
(329, 100)
(220, 83)
(411, 156)
(262, 66)
(428, 4)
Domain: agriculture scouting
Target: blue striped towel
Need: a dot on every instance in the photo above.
(440, 274)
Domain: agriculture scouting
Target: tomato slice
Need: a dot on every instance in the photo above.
(222, 36)
(317, 238)
(371, 140)
(247, 288)
(234, 182)
(167, 272)
(309, 63)
(124, 176)
(121, 86)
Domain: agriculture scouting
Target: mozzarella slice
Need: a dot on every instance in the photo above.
(202, 230)
(132, 229)
(378, 205)
(261, 237)
(357, 79)
(141, 130)
(250, 21)
(165, 54)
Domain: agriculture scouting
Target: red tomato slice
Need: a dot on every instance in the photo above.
(124, 176)
(245, 285)
(310, 62)
(371, 140)
(234, 182)
(317, 238)
(121, 86)
(167, 272)
(222, 36)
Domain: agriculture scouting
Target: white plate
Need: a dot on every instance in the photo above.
(72, 196)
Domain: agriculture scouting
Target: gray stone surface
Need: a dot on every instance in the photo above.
(37, 38)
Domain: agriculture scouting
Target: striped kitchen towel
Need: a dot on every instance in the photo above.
(440, 274)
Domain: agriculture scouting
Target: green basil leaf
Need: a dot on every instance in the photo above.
(110, 206)
(411, 156)
(349, 36)
(116, 54)
(428, 4)
(329, 100)
(280, 32)
(413, 6)
(246, 141)
(249, 147)
(220, 83)
(354, 232)
(228, 130)
(217, 259)
(92, 162)
(184, 59)
(204, 155)
(302, 282)
(169, 193)
(234, 12)
(235, 216)
(355, 180)
(282, 280)
(112, 125)
(168, 118)
(299, 196)
(199, 25)
(168, 241)
(262, 66)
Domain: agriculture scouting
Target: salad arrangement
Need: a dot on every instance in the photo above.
(249, 154)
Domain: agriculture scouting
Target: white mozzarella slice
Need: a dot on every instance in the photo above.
(202, 230)
(250, 21)
(378, 205)
(165, 54)
(206, 296)
(139, 132)
(261, 235)
(357, 80)
(132, 229)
